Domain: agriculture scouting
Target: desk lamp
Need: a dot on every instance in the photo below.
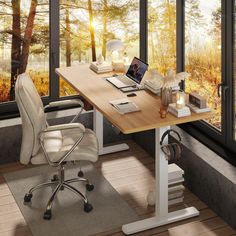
(114, 46)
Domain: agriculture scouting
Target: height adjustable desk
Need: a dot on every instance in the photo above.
(99, 92)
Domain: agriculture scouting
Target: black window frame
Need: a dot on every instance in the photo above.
(222, 141)
(221, 144)
(9, 109)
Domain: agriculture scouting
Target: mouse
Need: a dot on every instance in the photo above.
(131, 95)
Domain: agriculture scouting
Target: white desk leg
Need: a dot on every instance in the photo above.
(98, 129)
(162, 217)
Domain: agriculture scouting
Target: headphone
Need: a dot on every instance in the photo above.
(174, 150)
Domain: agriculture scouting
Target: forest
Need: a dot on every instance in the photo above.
(87, 25)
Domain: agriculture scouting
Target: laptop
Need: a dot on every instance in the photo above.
(133, 77)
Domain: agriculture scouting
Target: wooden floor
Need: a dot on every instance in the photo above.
(131, 173)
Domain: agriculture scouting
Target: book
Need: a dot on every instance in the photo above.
(175, 201)
(172, 196)
(155, 91)
(197, 109)
(185, 111)
(101, 68)
(175, 181)
(174, 172)
(155, 86)
(177, 188)
(124, 106)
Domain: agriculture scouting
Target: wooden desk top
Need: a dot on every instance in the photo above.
(99, 92)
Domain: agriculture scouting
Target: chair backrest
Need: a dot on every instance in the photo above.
(32, 115)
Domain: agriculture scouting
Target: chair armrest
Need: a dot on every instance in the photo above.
(65, 103)
(64, 126)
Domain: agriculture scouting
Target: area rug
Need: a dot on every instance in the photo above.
(110, 210)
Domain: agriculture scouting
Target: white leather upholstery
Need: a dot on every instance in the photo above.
(56, 143)
(32, 114)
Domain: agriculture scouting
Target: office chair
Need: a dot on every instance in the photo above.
(55, 145)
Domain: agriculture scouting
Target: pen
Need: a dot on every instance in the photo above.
(123, 103)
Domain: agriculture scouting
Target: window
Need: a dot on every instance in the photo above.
(24, 45)
(203, 52)
(78, 34)
(80, 30)
(162, 34)
(86, 27)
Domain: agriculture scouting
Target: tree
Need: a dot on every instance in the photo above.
(91, 29)
(16, 44)
(216, 20)
(68, 38)
(104, 36)
(20, 45)
(28, 36)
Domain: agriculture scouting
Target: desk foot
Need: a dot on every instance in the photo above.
(153, 222)
(113, 148)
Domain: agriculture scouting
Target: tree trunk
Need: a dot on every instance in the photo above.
(80, 51)
(68, 39)
(91, 29)
(15, 45)
(28, 36)
(104, 36)
(171, 30)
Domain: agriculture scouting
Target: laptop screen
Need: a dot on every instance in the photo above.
(137, 70)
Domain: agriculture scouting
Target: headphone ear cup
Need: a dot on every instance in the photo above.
(172, 151)
(166, 150)
(178, 150)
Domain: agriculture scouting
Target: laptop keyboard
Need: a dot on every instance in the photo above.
(121, 82)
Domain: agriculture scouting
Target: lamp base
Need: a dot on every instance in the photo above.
(118, 65)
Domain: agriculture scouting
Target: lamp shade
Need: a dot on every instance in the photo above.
(114, 45)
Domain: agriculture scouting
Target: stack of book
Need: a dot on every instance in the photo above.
(175, 183)
(197, 109)
(185, 111)
(175, 186)
(101, 68)
(155, 86)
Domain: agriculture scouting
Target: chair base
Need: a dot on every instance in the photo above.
(60, 184)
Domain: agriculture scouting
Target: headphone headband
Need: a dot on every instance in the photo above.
(168, 132)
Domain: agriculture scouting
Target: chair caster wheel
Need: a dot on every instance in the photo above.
(27, 197)
(54, 178)
(47, 215)
(80, 174)
(89, 187)
(88, 207)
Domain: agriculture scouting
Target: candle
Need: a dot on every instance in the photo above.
(180, 100)
(179, 104)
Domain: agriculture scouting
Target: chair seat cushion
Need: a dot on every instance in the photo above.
(58, 143)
